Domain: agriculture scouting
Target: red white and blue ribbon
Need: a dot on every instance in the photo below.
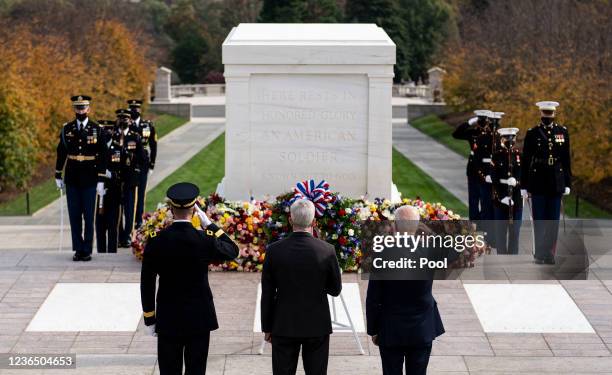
(318, 194)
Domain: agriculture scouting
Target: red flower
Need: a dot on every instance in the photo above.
(341, 212)
(342, 240)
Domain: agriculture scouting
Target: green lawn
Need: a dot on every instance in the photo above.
(205, 169)
(412, 182)
(441, 132)
(46, 192)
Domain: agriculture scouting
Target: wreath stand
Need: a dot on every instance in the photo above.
(335, 322)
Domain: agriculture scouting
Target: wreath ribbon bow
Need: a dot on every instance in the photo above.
(318, 194)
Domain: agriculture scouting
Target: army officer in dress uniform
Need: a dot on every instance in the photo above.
(107, 216)
(147, 133)
(547, 175)
(128, 146)
(81, 154)
(507, 202)
(185, 312)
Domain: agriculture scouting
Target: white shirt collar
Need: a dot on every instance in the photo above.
(137, 121)
(182, 221)
(84, 123)
(126, 130)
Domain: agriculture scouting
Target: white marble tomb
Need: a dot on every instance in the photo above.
(307, 101)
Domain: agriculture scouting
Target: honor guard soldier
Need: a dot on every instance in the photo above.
(507, 205)
(129, 151)
(81, 154)
(470, 131)
(547, 175)
(180, 255)
(149, 140)
(107, 217)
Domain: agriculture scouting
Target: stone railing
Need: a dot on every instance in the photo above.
(412, 90)
(198, 90)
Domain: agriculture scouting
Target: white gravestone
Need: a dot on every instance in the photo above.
(307, 101)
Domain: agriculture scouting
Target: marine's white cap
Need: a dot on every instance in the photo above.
(507, 131)
(547, 106)
(483, 112)
(497, 115)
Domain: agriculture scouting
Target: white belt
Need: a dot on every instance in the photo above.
(503, 181)
(486, 160)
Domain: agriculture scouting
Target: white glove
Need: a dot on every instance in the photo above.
(567, 191)
(151, 330)
(203, 218)
(108, 174)
(150, 172)
(472, 121)
(100, 188)
(524, 193)
(507, 201)
(488, 179)
(59, 183)
(511, 181)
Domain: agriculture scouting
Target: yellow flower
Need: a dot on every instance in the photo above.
(250, 227)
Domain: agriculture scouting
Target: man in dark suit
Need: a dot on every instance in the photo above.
(402, 315)
(298, 274)
(185, 313)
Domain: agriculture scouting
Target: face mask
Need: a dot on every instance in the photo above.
(134, 115)
(81, 116)
(547, 120)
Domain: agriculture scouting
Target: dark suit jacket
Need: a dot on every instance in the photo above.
(298, 274)
(180, 256)
(402, 312)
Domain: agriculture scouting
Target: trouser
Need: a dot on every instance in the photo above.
(142, 191)
(486, 212)
(286, 351)
(414, 358)
(172, 350)
(546, 212)
(81, 208)
(128, 206)
(506, 233)
(474, 197)
(107, 222)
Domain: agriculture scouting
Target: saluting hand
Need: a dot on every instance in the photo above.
(202, 215)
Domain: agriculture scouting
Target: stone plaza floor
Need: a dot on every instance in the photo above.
(576, 340)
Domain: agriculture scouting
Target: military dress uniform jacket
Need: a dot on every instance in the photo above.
(127, 157)
(483, 152)
(148, 137)
(180, 255)
(546, 168)
(469, 133)
(82, 153)
(503, 167)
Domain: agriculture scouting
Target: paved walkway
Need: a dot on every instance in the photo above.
(26, 279)
(442, 164)
(174, 150)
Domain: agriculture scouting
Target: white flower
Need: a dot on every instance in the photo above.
(351, 232)
(348, 210)
(279, 224)
(334, 236)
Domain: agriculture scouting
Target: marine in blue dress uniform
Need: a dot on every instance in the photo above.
(148, 136)
(506, 180)
(471, 131)
(80, 167)
(547, 176)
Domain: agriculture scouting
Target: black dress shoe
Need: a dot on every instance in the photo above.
(76, 257)
(549, 261)
(539, 261)
(86, 258)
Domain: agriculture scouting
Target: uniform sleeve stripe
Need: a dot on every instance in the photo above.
(149, 314)
(219, 233)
